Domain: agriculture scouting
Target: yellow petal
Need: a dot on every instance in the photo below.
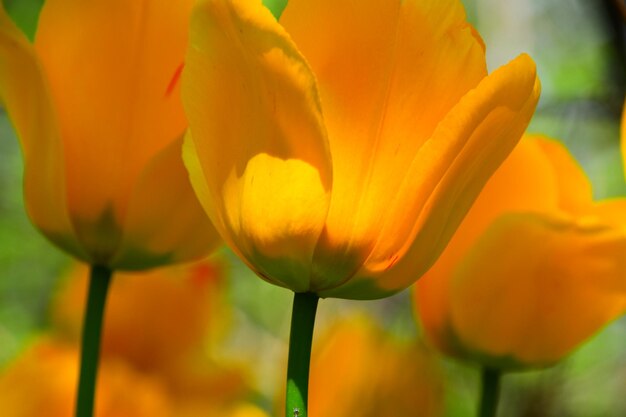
(259, 158)
(575, 193)
(557, 283)
(445, 177)
(380, 376)
(164, 222)
(112, 66)
(176, 308)
(540, 177)
(42, 382)
(526, 181)
(611, 212)
(387, 72)
(26, 98)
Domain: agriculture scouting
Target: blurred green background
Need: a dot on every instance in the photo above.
(579, 49)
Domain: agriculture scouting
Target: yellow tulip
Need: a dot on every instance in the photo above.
(164, 322)
(42, 382)
(155, 320)
(95, 103)
(337, 151)
(535, 268)
(372, 374)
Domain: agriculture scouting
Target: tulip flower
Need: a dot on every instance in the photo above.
(339, 161)
(169, 357)
(177, 309)
(337, 151)
(535, 268)
(379, 375)
(95, 103)
(41, 382)
(180, 312)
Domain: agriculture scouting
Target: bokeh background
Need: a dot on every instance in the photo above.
(579, 47)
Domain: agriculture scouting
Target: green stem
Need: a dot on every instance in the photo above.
(490, 393)
(99, 280)
(300, 339)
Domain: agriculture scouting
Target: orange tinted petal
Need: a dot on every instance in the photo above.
(575, 194)
(42, 382)
(176, 308)
(387, 72)
(445, 177)
(524, 182)
(432, 307)
(611, 212)
(112, 68)
(165, 222)
(257, 153)
(25, 94)
(380, 376)
(519, 304)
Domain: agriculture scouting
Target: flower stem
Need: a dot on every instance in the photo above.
(99, 280)
(300, 339)
(490, 382)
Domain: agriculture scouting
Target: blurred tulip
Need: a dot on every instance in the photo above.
(95, 103)
(336, 152)
(535, 268)
(42, 382)
(152, 317)
(162, 322)
(372, 374)
(161, 328)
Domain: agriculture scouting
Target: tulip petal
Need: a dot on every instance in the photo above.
(380, 376)
(525, 182)
(25, 94)
(112, 66)
(42, 381)
(388, 72)
(610, 212)
(259, 158)
(445, 177)
(575, 193)
(518, 306)
(165, 222)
